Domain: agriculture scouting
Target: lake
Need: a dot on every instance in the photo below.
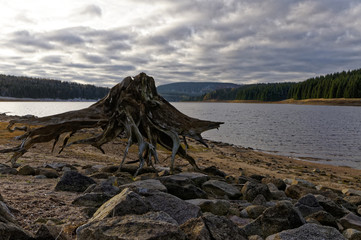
(328, 134)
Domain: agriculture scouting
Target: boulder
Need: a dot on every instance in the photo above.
(196, 229)
(47, 172)
(73, 181)
(5, 169)
(297, 191)
(253, 211)
(252, 189)
(279, 183)
(197, 178)
(214, 171)
(107, 187)
(91, 199)
(216, 206)
(221, 228)
(182, 187)
(331, 207)
(304, 183)
(126, 202)
(221, 189)
(308, 231)
(281, 217)
(351, 192)
(355, 200)
(308, 204)
(145, 186)
(149, 226)
(352, 234)
(178, 209)
(324, 218)
(26, 170)
(351, 220)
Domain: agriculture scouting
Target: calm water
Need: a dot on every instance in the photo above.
(330, 134)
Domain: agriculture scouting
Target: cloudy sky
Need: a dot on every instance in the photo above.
(242, 41)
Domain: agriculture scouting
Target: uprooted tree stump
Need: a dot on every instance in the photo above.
(132, 107)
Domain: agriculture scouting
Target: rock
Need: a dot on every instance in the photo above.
(303, 183)
(352, 234)
(149, 226)
(91, 199)
(109, 169)
(47, 172)
(355, 200)
(50, 232)
(182, 187)
(214, 171)
(331, 207)
(253, 211)
(1, 198)
(26, 170)
(255, 237)
(308, 204)
(240, 222)
(351, 220)
(359, 210)
(279, 183)
(308, 231)
(221, 228)
(257, 177)
(178, 209)
(73, 181)
(216, 206)
(259, 200)
(324, 218)
(221, 189)
(351, 192)
(58, 166)
(145, 186)
(244, 179)
(196, 229)
(251, 189)
(100, 175)
(9, 228)
(197, 178)
(126, 202)
(343, 203)
(107, 187)
(297, 191)
(281, 217)
(5, 169)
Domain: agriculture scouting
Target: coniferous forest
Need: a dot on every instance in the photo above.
(36, 88)
(336, 85)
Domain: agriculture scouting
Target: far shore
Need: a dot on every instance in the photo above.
(313, 101)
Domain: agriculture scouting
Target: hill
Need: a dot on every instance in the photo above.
(335, 85)
(38, 88)
(190, 90)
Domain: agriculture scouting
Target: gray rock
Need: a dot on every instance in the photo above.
(324, 218)
(251, 190)
(196, 229)
(351, 220)
(240, 222)
(182, 187)
(221, 189)
(126, 202)
(308, 231)
(214, 171)
(47, 172)
(107, 187)
(216, 206)
(73, 181)
(149, 226)
(5, 169)
(26, 170)
(281, 217)
(304, 183)
(178, 209)
(91, 199)
(50, 232)
(352, 234)
(221, 228)
(197, 178)
(356, 200)
(331, 207)
(279, 183)
(297, 191)
(308, 204)
(351, 192)
(255, 237)
(145, 186)
(1, 198)
(253, 211)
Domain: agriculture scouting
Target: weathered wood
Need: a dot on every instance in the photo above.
(132, 107)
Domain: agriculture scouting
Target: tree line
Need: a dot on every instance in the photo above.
(38, 88)
(336, 85)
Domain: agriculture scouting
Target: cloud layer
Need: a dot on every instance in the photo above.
(240, 41)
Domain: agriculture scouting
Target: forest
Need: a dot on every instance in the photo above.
(335, 85)
(37, 88)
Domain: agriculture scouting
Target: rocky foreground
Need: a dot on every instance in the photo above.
(188, 205)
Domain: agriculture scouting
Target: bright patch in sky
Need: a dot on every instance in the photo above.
(241, 41)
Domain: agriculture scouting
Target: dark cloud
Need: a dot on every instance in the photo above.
(92, 10)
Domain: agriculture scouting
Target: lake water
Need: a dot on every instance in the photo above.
(328, 134)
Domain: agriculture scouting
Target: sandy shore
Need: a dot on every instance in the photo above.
(36, 201)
